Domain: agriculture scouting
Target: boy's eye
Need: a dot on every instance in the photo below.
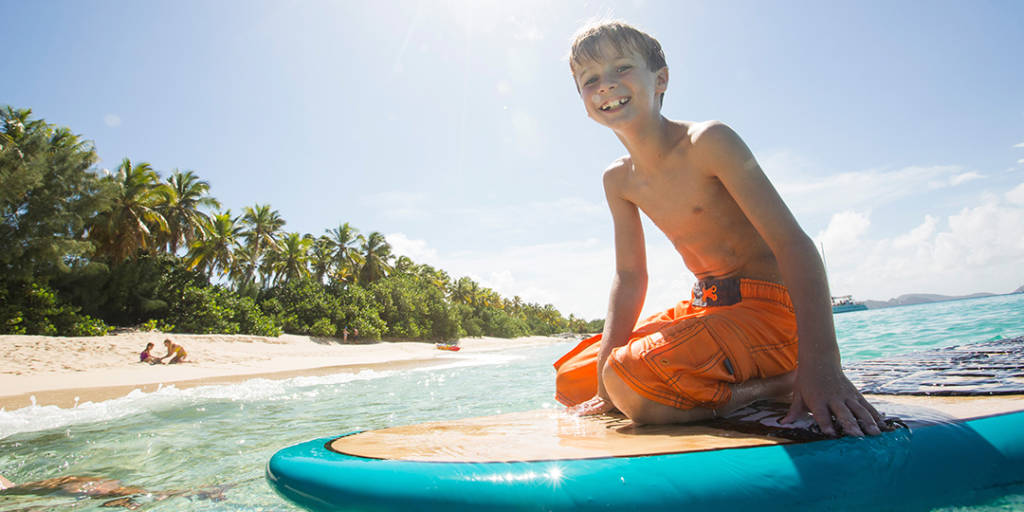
(624, 68)
(590, 80)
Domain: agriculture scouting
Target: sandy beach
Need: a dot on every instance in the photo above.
(65, 371)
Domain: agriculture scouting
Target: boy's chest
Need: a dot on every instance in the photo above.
(678, 195)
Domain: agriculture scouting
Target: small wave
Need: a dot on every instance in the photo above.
(467, 360)
(36, 418)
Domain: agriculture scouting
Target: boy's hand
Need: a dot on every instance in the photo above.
(596, 405)
(827, 393)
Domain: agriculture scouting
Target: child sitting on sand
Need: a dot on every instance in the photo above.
(147, 357)
(761, 281)
(175, 352)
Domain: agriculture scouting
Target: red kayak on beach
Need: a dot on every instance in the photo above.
(442, 346)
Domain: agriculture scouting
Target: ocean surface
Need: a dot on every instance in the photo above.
(217, 439)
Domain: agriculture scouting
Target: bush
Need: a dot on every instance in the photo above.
(214, 310)
(33, 308)
(323, 327)
(153, 324)
(300, 304)
(359, 311)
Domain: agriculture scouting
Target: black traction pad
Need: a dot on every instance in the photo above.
(976, 369)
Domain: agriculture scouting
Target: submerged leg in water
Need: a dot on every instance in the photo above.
(97, 487)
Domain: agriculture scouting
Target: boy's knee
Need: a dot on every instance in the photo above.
(623, 397)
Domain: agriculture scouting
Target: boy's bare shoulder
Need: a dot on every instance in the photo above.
(617, 171)
(718, 147)
(704, 133)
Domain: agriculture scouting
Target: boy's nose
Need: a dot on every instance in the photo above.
(607, 86)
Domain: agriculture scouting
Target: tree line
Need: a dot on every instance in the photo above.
(82, 250)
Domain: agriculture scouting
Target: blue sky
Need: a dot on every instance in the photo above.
(894, 130)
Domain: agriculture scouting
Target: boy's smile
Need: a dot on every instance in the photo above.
(619, 86)
(613, 104)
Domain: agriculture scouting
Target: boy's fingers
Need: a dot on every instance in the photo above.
(796, 409)
(847, 420)
(824, 419)
(869, 423)
(871, 409)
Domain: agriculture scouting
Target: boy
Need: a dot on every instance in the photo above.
(761, 282)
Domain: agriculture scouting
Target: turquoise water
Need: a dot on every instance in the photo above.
(220, 437)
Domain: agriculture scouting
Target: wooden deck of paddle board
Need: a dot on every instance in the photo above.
(555, 435)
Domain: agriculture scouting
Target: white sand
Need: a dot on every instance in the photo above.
(60, 371)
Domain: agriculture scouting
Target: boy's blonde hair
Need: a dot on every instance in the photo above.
(586, 45)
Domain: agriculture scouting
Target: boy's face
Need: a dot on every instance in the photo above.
(619, 87)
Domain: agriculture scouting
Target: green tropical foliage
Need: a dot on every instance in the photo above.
(376, 258)
(81, 250)
(132, 222)
(184, 197)
(262, 228)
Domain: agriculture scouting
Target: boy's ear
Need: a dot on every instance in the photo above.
(661, 79)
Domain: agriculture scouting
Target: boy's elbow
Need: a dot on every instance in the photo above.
(799, 246)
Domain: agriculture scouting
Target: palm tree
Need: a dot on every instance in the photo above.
(264, 227)
(404, 265)
(466, 291)
(345, 259)
(214, 251)
(376, 252)
(438, 278)
(291, 262)
(185, 194)
(490, 299)
(129, 225)
(320, 257)
(242, 263)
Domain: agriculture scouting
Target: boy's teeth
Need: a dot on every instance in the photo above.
(615, 103)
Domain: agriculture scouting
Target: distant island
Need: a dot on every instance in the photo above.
(925, 298)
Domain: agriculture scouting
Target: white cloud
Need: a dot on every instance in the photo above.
(960, 179)
(918, 235)
(417, 250)
(1021, 161)
(853, 190)
(1016, 195)
(844, 230)
(977, 249)
(112, 120)
(1019, 145)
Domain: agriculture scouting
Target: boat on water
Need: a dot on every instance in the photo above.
(845, 304)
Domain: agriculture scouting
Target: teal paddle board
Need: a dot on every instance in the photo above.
(946, 445)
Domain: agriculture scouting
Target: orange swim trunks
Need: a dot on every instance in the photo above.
(731, 330)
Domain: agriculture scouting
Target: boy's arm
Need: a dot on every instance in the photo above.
(821, 387)
(629, 285)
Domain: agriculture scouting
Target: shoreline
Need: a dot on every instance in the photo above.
(63, 372)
